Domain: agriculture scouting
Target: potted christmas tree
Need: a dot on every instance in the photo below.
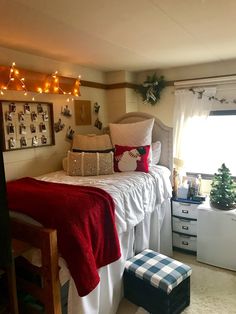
(223, 193)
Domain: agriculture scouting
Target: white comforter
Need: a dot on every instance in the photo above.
(135, 193)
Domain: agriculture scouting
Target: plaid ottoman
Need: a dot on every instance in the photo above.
(160, 284)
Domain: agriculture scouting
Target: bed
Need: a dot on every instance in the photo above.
(142, 217)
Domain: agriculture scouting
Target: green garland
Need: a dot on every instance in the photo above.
(151, 89)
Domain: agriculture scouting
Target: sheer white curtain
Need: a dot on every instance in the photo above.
(190, 114)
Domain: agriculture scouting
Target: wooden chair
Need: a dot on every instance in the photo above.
(7, 267)
(48, 293)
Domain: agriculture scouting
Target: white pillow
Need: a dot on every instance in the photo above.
(156, 152)
(132, 134)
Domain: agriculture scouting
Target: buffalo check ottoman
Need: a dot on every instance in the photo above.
(159, 284)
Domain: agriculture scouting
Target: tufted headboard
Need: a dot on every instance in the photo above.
(160, 132)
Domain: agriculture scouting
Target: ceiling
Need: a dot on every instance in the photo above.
(132, 35)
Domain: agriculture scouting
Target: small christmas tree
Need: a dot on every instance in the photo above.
(223, 194)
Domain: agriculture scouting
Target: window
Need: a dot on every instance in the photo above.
(210, 143)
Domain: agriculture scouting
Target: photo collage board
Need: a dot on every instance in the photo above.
(26, 124)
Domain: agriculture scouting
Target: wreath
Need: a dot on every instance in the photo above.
(151, 89)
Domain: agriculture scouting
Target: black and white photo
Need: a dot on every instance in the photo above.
(42, 127)
(44, 139)
(12, 107)
(34, 116)
(12, 142)
(33, 128)
(22, 129)
(10, 128)
(35, 141)
(27, 108)
(21, 116)
(23, 141)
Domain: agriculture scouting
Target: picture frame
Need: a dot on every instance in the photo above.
(26, 124)
(83, 114)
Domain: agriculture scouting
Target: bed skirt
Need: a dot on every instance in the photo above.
(153, 232)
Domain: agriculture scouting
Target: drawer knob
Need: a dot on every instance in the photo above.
(184, 211)
(184, 242)
(185, 227)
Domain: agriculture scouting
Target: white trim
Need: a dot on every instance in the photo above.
(206, 81)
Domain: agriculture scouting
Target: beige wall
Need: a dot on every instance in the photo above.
(163, 109)
(36, 161)
(120, 100)
(116, 103)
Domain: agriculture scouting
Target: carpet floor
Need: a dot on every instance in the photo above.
(213, 290)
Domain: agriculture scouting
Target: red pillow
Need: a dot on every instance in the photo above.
(129, 158)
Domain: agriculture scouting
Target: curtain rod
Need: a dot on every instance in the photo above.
(209, 81)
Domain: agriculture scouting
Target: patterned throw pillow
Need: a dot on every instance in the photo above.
(89, 164)
(129, 158)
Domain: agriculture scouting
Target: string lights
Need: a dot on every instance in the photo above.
(52, 84)
(14, 76)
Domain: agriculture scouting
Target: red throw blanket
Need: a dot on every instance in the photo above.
(83, 217)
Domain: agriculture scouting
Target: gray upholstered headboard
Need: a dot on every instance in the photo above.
(160, 132)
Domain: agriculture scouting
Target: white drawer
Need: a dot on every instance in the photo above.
(187, 210)
(185, 242)
(184, 226)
